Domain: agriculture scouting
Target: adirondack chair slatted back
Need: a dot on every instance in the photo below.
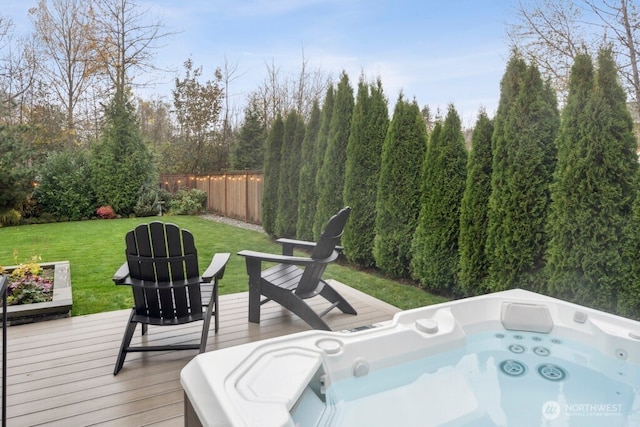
(325, 249)
(161, 254)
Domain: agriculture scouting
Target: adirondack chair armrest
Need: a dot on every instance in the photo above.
(289, 244)
(281, 259)
(121, 275)
(216, 267)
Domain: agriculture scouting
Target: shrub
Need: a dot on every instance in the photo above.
(9, 217)
(63, 186)
(106, 212)
(148, 203)
(188, 202)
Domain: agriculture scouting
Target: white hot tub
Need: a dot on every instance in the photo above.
(504, 359)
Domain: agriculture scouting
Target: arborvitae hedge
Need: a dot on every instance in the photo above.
(629, 289)
(272, 176)
(524, 160)
(320, 151)
(289, 175)
(569, 207)
(594, 188)
(307, 181)
(434, 247)
(332, 170)
(398, 198)
(362, 172)
(474, 267)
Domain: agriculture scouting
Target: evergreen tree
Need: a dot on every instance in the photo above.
(523, 164)
(320, 151)
(594, 188)
(287, 205)
(272, 176)
(16, 174)
(332, 171)
(307, 181)
(500, 150)
(120, 162)
(629, 290)
(398, 197)
(362, 172)
(248, 151)
(473, 210)
(434, 248)
(564, 255)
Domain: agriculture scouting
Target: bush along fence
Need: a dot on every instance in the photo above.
(233, 194)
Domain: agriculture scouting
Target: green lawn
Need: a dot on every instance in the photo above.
(95, 250)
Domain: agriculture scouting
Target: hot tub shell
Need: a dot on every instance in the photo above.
(260, 383)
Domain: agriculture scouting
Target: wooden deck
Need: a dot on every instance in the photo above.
(60, 372)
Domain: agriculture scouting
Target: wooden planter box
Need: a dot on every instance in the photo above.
(58, 307)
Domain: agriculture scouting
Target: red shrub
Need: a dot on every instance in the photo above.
(106, 212)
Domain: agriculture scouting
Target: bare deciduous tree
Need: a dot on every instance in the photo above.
(17, 72)
(281, 93)
(197, 109)
(64, 31)
(128, 37)
(155, 120)
(552, 32)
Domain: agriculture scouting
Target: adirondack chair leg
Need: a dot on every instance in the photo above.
(214, 297)
(254, 305)
(296, 305)
(253, 269)
(211, 308)
(333, 296)
(126, 340)
(205, 334)
(145, 328)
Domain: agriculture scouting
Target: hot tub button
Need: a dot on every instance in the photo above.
(360, 368)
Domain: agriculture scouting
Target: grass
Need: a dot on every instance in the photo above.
(95, 250)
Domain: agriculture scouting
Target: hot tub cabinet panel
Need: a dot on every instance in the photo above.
(278, 381)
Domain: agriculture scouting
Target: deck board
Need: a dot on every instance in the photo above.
(60, 372)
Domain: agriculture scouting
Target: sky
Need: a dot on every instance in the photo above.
(437, 52)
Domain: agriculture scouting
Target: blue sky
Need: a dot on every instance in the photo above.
(438, 52)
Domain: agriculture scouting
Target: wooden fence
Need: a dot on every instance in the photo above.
(236, 194)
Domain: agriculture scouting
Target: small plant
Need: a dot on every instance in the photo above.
(28, 284)
(106, 212)
(31, 268)
(151, 201)
(29, 289)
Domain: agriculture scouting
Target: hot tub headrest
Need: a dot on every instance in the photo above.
(517, 316)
